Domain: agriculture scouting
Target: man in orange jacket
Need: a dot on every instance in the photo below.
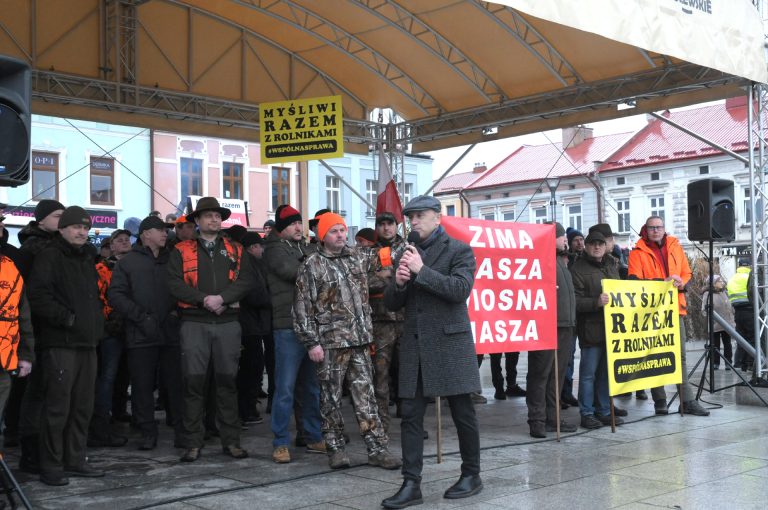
(659, 256)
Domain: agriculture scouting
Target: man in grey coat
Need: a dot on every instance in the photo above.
(433, 280)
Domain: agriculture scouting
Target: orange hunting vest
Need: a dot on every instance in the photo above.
(105, 278)
(11, 284)
(188, 251)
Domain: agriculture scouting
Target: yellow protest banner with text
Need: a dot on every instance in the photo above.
(301, 130)
(642, 331)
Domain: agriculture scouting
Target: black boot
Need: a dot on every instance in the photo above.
(30, 455)
(408, 495)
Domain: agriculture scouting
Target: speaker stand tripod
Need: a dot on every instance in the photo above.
(9, 486)
(708, 356)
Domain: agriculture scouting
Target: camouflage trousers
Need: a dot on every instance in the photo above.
(354, 365)
(385, 335)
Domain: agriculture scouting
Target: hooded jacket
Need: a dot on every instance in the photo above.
(33, 239)
(588, 275)
(643, 264)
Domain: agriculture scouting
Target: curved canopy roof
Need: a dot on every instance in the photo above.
(455, 71)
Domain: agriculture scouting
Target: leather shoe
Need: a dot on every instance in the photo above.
(537, 430)
(148, 442)
(408, 495)
(618, 411)
(191, 455)
(660, 406)
(84, 471)
(694, 408)
(468, 485)
(56, 479)
(569, 399)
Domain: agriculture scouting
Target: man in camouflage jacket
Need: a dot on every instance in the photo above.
(332, 318)
(387, 325)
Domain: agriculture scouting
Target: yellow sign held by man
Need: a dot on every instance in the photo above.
(642, 331)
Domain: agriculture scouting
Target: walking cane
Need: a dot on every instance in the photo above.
(439, 430)
(557, 399)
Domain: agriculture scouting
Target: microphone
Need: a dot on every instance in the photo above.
(414, 238)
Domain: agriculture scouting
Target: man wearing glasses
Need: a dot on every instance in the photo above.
(659, 256)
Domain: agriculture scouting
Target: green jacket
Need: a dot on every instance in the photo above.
(283, 259)
(212, 280)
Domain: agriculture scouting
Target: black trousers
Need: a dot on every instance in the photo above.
(540, 381)
(412, 433)
(745, 326)
(143, 365)
(510, 367)
(69, 381)
(727, 352)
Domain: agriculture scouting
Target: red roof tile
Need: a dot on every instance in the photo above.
(536, 162)
(659, 141)
(456, 182)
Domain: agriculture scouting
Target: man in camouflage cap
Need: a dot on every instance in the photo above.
(332, 319)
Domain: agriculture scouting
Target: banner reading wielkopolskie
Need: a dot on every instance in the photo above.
(301, 130)
(513, 304)
(642, 332)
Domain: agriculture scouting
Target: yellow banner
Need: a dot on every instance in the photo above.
(642, 331)
(301, 130)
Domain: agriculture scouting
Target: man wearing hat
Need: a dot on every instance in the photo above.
(256, 323)
(33, 238)
(365, 238)
(588, 272)
(541, 383)
(208, 277)
(387, 325)
(268, 226)
(111, 349)
(575, 243)
(332, 319)
(313, 225)
(64, 295)
(659, 256)
(285, 251)
(433, 281)
(184, 229)
(139, 293)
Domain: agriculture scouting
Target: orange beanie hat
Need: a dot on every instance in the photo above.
(325, 223)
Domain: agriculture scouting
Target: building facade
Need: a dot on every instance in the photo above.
(104, 168)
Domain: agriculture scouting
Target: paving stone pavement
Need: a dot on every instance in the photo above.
(674, 461)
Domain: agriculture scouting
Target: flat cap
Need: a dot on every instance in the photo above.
(595, 237)
(421, 203)
(603, 228)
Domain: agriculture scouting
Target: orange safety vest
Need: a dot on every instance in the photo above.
(105, 278)
(11, 284)
(188, 251)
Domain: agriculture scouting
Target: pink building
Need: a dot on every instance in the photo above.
(186, 165)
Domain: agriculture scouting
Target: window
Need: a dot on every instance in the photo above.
(45, 175)
(102, 181)
(407, 192)
(748, 207)
(505, 195)
(450, 210)
(539, 214)
(654, 176)
(281, 186)
(487, 197)
(573, 216)
(191, 177)
(232, 178)
(703, 169)
(621, 180)
(333, 193)
(657, 206)
(622, 211)
(371, 193)
(508, 214)
(488, 213)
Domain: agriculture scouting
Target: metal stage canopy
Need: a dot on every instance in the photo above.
(456, 72)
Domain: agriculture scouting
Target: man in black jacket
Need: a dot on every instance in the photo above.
(256, 323)
(542, 385)
(64, 296)
(139, 293)
(208, 277)
(33, 238)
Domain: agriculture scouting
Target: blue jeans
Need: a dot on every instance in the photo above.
(110, 352)
(292, 366)
(593, 382)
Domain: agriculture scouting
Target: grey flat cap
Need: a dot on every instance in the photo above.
(421, 203)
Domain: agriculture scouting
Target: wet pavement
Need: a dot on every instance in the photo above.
(688, 462)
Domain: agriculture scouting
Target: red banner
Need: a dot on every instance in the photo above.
(513, 304)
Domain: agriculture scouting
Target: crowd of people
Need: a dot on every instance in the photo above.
(191, 316)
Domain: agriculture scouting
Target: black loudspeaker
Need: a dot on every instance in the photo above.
(711, 214)
(15, 121)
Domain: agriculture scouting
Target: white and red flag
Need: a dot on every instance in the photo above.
(388, 199)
